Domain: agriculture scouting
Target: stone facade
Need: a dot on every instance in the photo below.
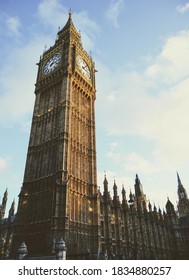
(59, 199)
(131, 229)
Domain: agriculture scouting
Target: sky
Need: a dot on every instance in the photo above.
(141, 52)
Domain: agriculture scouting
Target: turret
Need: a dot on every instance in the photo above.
(140, 196)
(12, 209)
(115, 190)
(150, 206)
(105, 185)
(181, 190)
(3, 205)
(183, 204)
(4, 201)
(131, 200)
(170, 207)
(138, 187)
(123, 195)
(155, 208)
(106, 191)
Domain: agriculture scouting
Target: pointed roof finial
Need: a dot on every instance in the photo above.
(5, 196)
(105, 179)
(70, 12)
(178, 178)
(137, 180)
(105, 184)
(150, 206)
(115, 188)
(155, 208)
(69, 29)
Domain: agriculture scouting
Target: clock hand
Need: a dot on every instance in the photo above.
(84, 67)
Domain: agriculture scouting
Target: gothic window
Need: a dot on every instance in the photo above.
(102, 228)
(122, 233)
(101, 208)
(113, 230)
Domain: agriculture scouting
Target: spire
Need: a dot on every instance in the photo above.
(150, 206)
(11, 211)
(181, 190)
(180, 185)
(4, 201)
(183, 204)
(116, 197)
(169, 207)
(115, 189)
(155, 208)
(178, 178)
(69, 22)
(138, 187)
(70, 13)
(131, 198)
(69, 29)
(105, 184)
(123, 195)
(3, 205)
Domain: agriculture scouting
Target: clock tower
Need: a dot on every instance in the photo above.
(59, 197)
(183, 203)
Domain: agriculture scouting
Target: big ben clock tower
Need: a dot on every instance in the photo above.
(59, 196)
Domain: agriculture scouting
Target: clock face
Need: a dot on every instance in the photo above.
(83, 66)
(181, 195)
(52, 63)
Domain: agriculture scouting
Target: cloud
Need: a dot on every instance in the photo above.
(17, 97)
(152, 105)
(114, 10)
(13, 24)
(89, 29)
(136, 163)
(51, 11)
(183, 8)
(171, 65)
(10, 25)
(3, 164)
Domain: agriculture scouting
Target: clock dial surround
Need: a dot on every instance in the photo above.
(181, 194)
(51, 63)
(83, 67)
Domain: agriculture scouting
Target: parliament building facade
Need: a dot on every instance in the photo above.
(60, 199)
